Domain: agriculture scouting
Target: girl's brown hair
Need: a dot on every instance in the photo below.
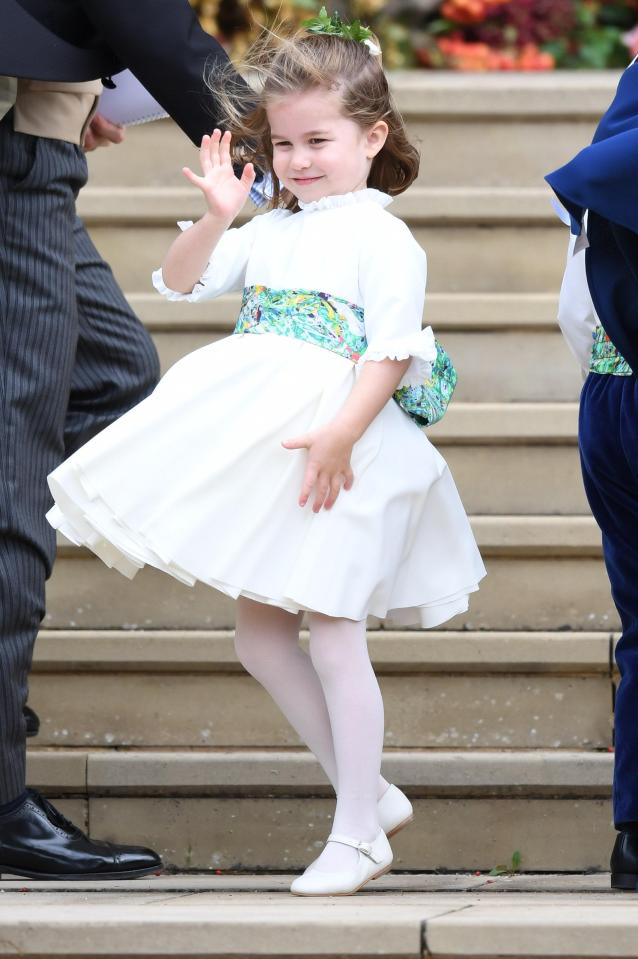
(283, 64)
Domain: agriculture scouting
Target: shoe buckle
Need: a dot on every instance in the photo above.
(359, 844)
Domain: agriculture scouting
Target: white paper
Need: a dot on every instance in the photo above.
(130, 103)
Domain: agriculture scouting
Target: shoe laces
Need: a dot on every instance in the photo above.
(54, 815)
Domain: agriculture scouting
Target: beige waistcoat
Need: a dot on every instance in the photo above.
(60, 111)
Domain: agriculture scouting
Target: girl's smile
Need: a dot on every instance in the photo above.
(306, 179)
(317, 151)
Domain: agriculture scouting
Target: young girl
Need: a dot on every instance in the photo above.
(274, 464)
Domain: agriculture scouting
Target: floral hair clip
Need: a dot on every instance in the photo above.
(334, 26)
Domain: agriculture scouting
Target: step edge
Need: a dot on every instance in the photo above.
(392, 651)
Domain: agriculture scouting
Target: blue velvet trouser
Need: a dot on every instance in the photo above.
(608, 436)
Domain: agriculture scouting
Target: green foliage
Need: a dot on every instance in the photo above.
(512, 869)
(569, 34)
(597, 41)
(335, 26)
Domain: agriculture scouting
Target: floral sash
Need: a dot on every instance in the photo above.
(334, 324)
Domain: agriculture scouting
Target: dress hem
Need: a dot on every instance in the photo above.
(427, 615)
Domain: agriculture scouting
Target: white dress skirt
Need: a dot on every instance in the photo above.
(195, 481)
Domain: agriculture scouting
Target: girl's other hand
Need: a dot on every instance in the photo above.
(328, 468)
(224, 193)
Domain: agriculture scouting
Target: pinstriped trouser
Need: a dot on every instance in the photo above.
(73, 357)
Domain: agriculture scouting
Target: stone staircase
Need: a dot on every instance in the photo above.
(499, 725)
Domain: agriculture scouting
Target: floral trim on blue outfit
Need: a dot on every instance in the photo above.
(334, 324)
(605, 358)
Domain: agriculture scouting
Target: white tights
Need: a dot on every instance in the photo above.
(332, 700)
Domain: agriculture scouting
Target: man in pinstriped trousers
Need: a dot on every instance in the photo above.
(73, 357)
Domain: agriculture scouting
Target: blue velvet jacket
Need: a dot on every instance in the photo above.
(603, 178)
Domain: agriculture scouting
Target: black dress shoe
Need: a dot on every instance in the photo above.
(32, 721)
(624, 862)
(37, 841)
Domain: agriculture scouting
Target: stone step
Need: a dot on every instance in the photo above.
(441, 690)
(397, 916)
(500, 477)
(492, 367)
(428, 206)
(447, 312)
(475, 238)
(544, 572)
(514, 458)
(264, 809)
(479, 130)
(527, 362)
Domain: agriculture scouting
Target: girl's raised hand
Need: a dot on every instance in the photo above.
(225, 194)
(328, 469)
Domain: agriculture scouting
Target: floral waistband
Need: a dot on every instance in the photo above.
(318, 318)
(605, 358)
(337, 325)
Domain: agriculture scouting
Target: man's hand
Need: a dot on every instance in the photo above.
(101, 133)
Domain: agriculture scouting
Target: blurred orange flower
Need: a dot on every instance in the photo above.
(479, 57)
(470, 11)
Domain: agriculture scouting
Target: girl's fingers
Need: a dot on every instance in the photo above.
(321, 492)
(299, 443)
(349, 480)
(309, 481)
(248, 176)
(204, 155)
(335, 488)
(224, 147)
(214, 147)
(194, 179)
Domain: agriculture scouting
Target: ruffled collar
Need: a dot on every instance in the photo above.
(346, 199)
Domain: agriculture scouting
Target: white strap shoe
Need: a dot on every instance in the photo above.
(395, 811)
(374, 859)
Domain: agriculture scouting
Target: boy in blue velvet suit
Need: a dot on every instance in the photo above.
(599, 314)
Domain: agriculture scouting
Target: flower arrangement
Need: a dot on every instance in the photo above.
(529, 34)
(477, 35)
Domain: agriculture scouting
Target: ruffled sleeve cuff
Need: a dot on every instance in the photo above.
(420, 347)
(198, 290)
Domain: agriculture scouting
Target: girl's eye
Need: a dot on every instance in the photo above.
(282, 143)
(318, 140)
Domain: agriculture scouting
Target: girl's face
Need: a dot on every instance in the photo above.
(317, 151)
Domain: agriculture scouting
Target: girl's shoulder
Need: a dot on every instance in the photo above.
(386, 232)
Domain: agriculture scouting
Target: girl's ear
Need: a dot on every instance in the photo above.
(376, 137)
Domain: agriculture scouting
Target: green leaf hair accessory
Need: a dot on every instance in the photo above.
(334, 26)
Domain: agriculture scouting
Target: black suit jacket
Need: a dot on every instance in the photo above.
(160, 41)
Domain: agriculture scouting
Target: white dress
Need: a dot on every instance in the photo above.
(194, 480)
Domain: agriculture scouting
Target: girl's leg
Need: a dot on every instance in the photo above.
(267, 645)
(339, 654)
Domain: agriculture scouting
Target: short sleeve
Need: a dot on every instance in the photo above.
(226, 269)
(392, 279)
